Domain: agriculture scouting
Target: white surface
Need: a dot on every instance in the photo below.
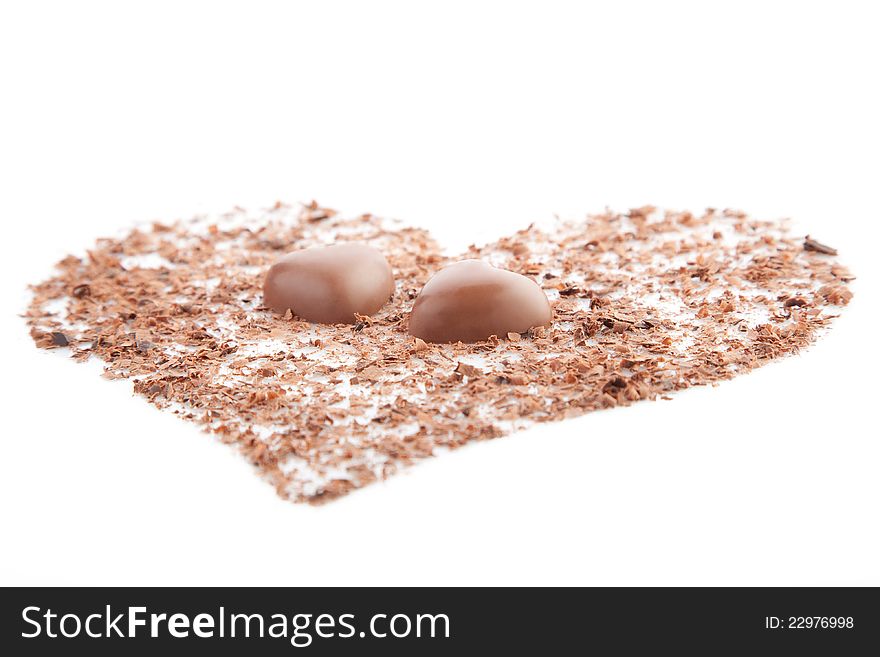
(468, 119)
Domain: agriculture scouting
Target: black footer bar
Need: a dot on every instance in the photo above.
(427, 621)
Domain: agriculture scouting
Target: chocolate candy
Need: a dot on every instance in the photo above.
(472, 300)
(330, 284)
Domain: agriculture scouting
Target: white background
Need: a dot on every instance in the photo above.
(471, 119)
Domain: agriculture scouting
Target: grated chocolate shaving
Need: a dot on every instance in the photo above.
(645, 303)
(812, 245)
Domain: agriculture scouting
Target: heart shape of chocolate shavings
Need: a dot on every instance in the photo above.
(645, 303)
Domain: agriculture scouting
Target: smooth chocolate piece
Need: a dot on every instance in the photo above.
(472, 300)
(330, 284)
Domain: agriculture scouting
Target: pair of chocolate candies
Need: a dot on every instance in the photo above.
(467, 301)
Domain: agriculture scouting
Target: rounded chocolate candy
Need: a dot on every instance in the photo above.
(471, 300)
(329, 284)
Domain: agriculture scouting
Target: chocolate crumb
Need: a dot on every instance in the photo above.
(468, 370)
(82, 290)
(59, 339)
(812, 245)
